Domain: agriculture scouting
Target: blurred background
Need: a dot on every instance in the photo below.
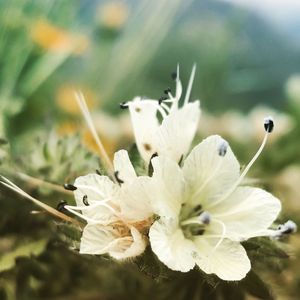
(248, 67)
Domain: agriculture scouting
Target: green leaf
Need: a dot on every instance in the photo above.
(7, 261)
(256, 287)
(265, 247)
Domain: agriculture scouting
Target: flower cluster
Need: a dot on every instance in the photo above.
(194, 209)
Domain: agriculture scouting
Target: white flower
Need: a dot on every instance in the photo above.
(178, 123)
(117, 213)
(204, 212)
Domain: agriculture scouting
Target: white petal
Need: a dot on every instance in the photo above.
(169, 244)
(96, 239)
(135, 201)
(208, 174)
(177, 131)
(95, 187)
(167, 193)
(247, 212)
(144, 121)
(136, 247)
(229, 261)
(123, 166)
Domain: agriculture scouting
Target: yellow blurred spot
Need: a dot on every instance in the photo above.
(70, 128)
(67, 128)
(53, 38)
(109, 145)
(65, 99)
(113, 14)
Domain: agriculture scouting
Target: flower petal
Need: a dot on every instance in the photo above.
(135, 201)
(229, 261)
(96, 239)
(123, 166)
(145, 123)
(137, 246)
(169, 244)
(247, 212)
(167, 193)
(209, 174)
(177, 131)
(95, 187)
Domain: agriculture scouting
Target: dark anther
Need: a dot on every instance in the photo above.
(161, 99)
(197, 208)
(98, 172)
(150, 167)
(85, 200)
(70, 187)
(205, 218)
(268, 124)
(222, 150)
(180, 160)
(287, 228)
(174, 75)
(123, 105)
(61, 206)
(167, 91)
(119, 180)
(197, 231)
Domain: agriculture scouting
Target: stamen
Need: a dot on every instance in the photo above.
(247, 168)
(158, 107)
(119, 180)
(222, 150)
(124, 105)
(70, 187)
(85, 111)
(197, 208)
(150, 167)
(221, 237)
(74, 210)
(165, 107)
(167, 90)
(269, 124)
(288, 227)
(161, 99)
(190, 84)
(203, 219)
(61, 205)
(85, 200)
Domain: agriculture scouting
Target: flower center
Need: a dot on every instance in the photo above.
(194, 220)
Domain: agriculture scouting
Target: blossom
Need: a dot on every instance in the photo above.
(117, 215)
(204, 211)
(173, 136)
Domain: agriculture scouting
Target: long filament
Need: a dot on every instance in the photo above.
(190, 84)
(85, 111)
(244, 173)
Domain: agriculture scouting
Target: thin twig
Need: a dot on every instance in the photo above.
(10, 185)
(36, 182)
(87, 116)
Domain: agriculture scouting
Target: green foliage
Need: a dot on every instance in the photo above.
(7, 261)
(57, 159)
